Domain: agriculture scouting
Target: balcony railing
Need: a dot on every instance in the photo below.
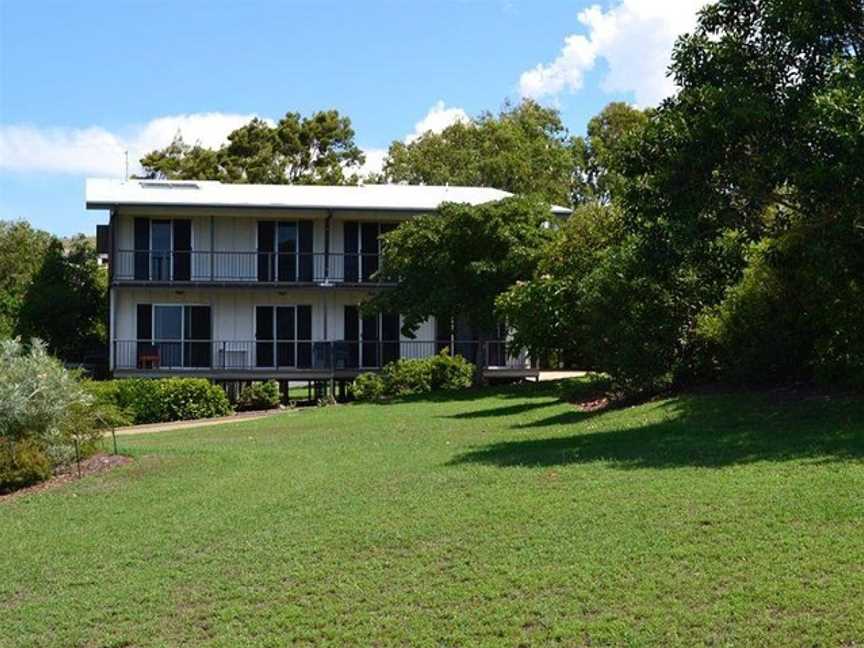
(246, 267)
(273, 356)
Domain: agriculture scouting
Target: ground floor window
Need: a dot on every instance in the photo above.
(173, 335)
(372, 341)
(283, 336)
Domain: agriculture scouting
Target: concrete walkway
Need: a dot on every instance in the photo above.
(240, 417)
(559, 375)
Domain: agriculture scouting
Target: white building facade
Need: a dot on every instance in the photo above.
(241, 282)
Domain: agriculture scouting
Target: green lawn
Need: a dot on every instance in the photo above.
(502, 517)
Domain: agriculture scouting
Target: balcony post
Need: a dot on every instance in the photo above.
(327, 222)
(212, 251)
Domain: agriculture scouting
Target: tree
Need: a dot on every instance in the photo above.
(297, 150)
(22, 250)
(596, 175)
(524, 150)
(458, 260)
(66, 302)
(741, 246)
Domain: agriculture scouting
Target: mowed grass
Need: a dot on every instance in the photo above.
(499, 517)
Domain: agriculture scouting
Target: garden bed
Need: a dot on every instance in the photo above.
(98, 463)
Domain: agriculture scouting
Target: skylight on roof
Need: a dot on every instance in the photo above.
(163, 184)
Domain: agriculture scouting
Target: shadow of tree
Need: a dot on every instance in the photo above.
(517, 390)
(505, 410)
(702, 431)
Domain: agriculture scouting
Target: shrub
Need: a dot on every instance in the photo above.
(22, 463)
(368, 387)
(147, 400)
(414, 376)
(451, 372)
(260, 395)
(192, 398)
(403, 377)
(44, 411)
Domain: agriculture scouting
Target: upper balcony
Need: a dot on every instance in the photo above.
(247, 268)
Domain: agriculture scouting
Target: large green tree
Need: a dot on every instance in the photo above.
(66, 302)
(318, 149)
(596, 172)
(741, 250)
(22, 251)
(456, 261)
(525, 149)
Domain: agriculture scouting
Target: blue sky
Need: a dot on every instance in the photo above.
(82, 81)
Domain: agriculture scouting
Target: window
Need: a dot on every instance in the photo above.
(285, 251)
(363, 249)
(176, 335)
(283, 336)
(163, 249)
(372, 341)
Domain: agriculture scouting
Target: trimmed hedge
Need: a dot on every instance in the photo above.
(149, 400)
(415, 376)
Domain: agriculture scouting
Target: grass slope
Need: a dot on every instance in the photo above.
(496, 518)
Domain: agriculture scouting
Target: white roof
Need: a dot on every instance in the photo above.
(105, 193)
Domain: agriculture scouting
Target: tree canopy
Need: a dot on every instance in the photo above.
(65, 304)
(525, 149)
(319, 149)
(22, 251)
(458, 260)
(596, 176)
(739, 250)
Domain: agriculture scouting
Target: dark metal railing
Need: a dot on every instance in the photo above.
(246, 267)
(289, 355)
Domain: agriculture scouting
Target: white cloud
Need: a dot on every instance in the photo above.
(633, 37)
(97, 151)
(436, 120)
(374, 162)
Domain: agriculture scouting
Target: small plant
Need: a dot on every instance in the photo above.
(259, 396)
(326, 401)
(22, 463)
(368, 387)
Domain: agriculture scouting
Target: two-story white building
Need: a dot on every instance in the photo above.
(241, 282)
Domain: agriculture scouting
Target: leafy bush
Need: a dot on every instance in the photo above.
(450, 372)
(260, 395)
(22, 463)
(148, 400)
(414, 376)
(44, 413)
(368, 387)
(403, 377)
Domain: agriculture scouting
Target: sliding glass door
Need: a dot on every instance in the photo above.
(174, 335)
(283, 336)
(160, 250)
(285, 251)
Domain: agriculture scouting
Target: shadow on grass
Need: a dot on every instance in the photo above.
(702, 431)
(517, 390)
(505, 410)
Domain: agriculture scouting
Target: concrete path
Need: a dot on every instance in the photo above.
(196, 423)
(559, 375)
